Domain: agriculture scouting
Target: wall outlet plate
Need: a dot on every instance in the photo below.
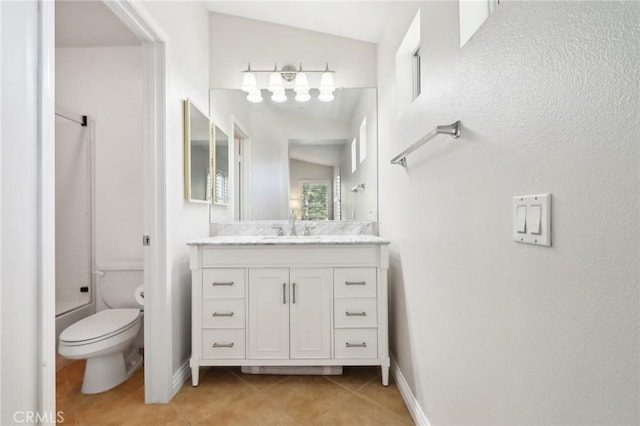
(532, 219)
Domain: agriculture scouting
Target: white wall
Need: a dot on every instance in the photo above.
(19, 225)
(106, 85)
(186, 24)
(362, 205)
(486, 330)
(237, 41)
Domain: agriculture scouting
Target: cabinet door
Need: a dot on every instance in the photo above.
(310, 324)
(268, 313)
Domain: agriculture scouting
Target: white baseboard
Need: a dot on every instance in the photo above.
(180, 377)
(409, 398)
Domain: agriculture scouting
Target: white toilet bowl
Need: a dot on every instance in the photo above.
(106, 340)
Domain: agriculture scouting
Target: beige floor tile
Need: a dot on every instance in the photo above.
(214, 393)
(388, 397)
(306, 397)
(227, 397)
(356, 377)
(357, 411)
(255, 410)
(259, 382)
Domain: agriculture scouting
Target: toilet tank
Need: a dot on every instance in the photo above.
(116, 288)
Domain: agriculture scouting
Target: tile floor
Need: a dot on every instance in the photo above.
(225, 396)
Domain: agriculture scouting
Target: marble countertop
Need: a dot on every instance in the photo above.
(272, 240)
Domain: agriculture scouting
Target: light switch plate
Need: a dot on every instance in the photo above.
(538, 219)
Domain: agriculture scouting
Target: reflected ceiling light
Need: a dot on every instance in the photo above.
(255, 96)
(279, 96)
(325, 95)
(288, 73)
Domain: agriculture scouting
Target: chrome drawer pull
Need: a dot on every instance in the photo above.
(356, 345)
(356, 314)
(222, 345)
(222, 314)
(222, 283)
(294, 294)
(355, 283)
(284, 293)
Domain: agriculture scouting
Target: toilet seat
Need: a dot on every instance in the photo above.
(100, 326)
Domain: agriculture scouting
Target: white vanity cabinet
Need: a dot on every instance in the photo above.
(313, 304)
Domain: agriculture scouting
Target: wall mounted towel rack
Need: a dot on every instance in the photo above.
(452, 130)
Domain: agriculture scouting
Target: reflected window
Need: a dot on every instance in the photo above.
(363, 140)
(222, 187)
(315, 201)
(354, 159)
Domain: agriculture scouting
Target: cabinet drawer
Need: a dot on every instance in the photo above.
(356, 343)
(354, 282)
(223, 283)
(356, 312)
(223, 313)
(223, 343)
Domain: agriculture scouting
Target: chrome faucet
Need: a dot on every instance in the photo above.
(292, 222)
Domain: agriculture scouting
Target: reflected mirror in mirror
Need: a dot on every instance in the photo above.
(473, 13)
(197, 154)
(221, 166)
(314, 160)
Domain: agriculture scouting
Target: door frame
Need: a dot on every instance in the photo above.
(158, 366)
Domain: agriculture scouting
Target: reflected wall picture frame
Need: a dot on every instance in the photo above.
(191, 114)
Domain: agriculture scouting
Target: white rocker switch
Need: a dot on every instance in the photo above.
(532, 219)
(521, 219)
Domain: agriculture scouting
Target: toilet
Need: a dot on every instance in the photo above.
(108, 340)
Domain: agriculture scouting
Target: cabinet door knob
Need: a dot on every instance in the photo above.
(356, 345)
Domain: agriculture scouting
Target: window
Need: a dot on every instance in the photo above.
(315, 201)
(363, 140)
(354, 159)
(416, 73)
(408, 67)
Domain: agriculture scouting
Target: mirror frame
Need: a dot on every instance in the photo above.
(213, 164)
(187, 153)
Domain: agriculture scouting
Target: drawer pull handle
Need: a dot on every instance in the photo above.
(284, 293)
(222, 345)
(356, 345)
(222, 314)
(222, 283)
(356, 314)
(294, 294)
(355, 283)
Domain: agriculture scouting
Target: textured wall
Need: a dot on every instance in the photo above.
(486, 330)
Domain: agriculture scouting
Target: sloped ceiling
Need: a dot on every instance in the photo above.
(359, 20)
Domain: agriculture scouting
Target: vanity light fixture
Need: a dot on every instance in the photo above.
(288, 73)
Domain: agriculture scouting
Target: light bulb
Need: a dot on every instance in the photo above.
(248, 82)
(302, 83)
(255, 96)
(275, 82)
(325, 95)
(326, 82)
(279, 96)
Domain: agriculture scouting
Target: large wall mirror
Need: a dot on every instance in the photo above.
(315, 159)
(221, 167)
(197, 155)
